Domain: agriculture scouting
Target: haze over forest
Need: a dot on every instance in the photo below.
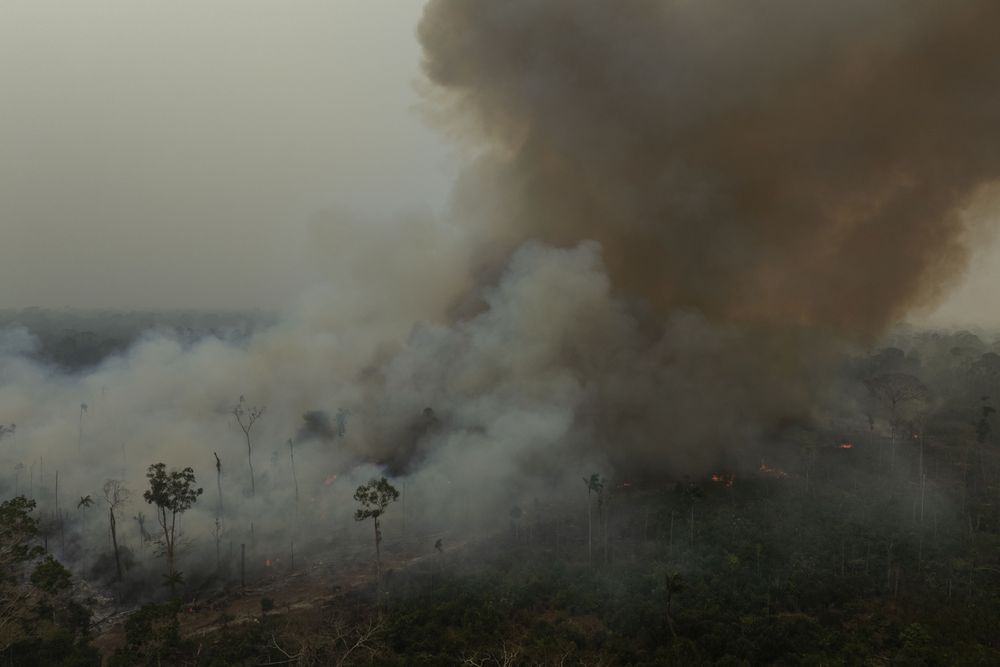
(315, 315)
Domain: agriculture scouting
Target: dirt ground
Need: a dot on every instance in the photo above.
(317, 580)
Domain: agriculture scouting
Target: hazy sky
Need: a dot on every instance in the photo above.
(172, 154)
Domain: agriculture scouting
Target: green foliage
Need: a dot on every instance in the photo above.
(152, 637)
(779, 578)
(916, 643)
(59, 649)
(374, 497)
(171, 491)
(18, 529)
(39, 623)
(50, 576)
(15, 518)
(173, 579)
(594, 483)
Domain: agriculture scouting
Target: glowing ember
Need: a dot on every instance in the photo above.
(724, 479)
(773, 472)
(845, 445)
(330, 480)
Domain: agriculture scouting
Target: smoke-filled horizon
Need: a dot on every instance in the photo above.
(178, 156)
(139, 174)
(682, 219)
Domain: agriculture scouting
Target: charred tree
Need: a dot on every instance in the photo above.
(295, 479)
(594, 485)
(218, 483)
(79, 436)
(116, 495)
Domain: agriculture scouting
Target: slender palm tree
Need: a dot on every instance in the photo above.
(594, 485)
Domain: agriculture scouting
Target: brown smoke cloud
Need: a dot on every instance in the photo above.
(774, 177)
(772, 163)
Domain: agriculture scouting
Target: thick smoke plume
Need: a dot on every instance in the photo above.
(776, 163)
(680, 212)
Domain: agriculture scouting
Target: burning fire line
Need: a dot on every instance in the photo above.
(772, 472)
(726, 480)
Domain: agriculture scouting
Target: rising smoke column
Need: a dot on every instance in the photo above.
(771, 176)
(772, 163)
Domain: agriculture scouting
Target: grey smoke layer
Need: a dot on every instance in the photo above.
(681, 212)
(778, 162)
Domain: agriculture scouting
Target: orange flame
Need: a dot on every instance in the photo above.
(267, 563)
(724, 479)
(845, 445)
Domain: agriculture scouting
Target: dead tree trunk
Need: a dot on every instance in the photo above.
(607, 511)
(590, 530)
(295, 479)
(253, 485)
(671, 542)
(114, 544)
(888, 558)
(218, 482)
(378, 553)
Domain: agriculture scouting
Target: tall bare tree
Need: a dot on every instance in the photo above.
(144, 535)
(218, 483)
(246, 417)
(594, 484)
(604, 508)
(295, 479)
(79, 437)
(116, 495)
(18, 469)
(673, 584)
(898, 393)
(691, 494)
